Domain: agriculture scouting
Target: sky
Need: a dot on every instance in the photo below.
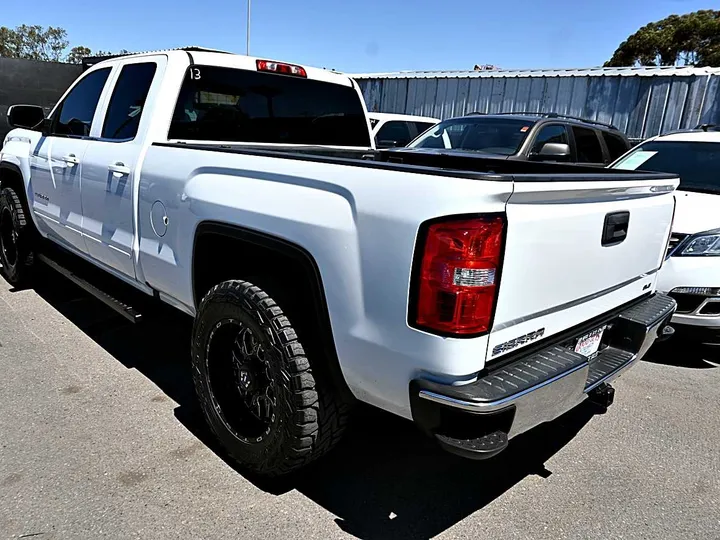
(363, 36)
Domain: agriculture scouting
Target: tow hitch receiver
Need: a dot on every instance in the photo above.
(602, 396)
(666, 333)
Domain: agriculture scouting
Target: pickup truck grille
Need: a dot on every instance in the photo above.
(675, 239)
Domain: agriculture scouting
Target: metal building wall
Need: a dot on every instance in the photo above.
(642, 102)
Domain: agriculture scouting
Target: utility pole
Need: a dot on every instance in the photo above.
(247, 47)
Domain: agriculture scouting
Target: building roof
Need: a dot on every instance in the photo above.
(643, 71)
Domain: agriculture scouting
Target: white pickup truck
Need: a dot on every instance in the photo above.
(477, 297)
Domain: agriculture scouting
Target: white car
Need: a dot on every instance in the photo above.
(453, 291)
(691, 273)
(390, 130)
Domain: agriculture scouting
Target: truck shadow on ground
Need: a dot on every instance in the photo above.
(385, 479)
(683, 353)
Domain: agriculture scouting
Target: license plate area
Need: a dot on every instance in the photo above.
(589, 344)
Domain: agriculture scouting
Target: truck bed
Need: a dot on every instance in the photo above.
(448, 163)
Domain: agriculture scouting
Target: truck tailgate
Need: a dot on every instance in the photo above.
(577, 249)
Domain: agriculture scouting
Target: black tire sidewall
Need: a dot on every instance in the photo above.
(18, 272)
(259, 456)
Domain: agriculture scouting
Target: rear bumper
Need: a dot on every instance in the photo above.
(477, 419)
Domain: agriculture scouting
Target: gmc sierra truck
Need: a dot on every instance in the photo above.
(477, 297)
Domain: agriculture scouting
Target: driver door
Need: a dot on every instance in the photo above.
(56, 197)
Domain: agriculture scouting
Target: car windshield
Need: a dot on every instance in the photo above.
(696, 163)
(488, 135)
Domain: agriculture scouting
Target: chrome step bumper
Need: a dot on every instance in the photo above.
(543, 385)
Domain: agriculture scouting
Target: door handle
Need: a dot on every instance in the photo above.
(71, 160)
(119, 169)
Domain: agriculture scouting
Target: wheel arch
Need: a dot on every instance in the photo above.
(10, 174)
(210, 234)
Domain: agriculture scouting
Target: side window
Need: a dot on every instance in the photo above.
(75, 114)
(554, 133)
(588, 145)
(616, 145)
(127, 101)
(394, 134)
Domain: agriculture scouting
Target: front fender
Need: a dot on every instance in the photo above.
(16, 152)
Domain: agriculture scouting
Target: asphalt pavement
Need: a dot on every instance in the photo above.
(100, 437)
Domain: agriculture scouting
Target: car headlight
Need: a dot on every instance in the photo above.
(707, 243)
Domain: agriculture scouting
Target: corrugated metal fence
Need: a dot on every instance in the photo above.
(642, 102)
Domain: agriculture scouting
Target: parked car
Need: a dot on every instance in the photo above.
(390, 130)
(246, 193)
(528, 136)
(691, 273)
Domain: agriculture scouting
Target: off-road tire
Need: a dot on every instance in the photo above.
(17, 243)
(309, 416)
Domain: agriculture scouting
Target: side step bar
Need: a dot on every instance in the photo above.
(130, 313)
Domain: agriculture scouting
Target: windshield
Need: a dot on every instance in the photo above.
(696, 163)
(489, 135)
(235, 105)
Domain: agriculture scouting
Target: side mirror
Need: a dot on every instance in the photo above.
(26, 116)
(553, 152)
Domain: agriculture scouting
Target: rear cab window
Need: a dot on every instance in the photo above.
(235, 105)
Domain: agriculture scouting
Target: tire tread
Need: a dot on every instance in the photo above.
(320, 416)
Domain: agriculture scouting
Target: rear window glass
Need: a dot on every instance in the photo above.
(502, 136)
(233, 105)
(696, 163)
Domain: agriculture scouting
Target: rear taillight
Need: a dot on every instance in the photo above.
(457, 280)
(278, 67)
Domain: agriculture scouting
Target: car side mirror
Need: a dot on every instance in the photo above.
(26, 116)
(553, 152)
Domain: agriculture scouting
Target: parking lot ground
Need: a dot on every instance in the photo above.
(100, 437)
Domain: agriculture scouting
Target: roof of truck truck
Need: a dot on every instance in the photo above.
(210, 57)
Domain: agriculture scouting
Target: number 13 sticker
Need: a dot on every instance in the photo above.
(195, 73)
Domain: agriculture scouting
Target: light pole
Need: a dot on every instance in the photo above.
(247, 46)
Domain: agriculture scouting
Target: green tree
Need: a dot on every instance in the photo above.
(37, 43)
(33, 42)
(692, 39)
(76, 54)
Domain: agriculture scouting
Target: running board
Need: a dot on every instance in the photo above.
(130, 313)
